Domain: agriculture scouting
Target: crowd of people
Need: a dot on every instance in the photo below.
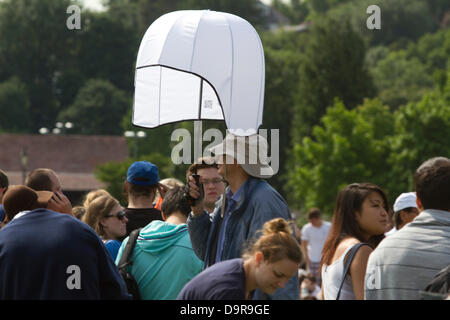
(227, 235)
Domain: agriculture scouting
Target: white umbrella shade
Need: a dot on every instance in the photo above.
(198, 65)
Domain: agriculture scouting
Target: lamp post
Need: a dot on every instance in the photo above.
(24, 163)
(135, 136)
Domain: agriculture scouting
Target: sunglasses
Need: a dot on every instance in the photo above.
(120, 215)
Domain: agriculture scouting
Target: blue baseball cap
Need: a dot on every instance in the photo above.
(143, 173)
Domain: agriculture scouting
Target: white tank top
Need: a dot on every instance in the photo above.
(332, 278)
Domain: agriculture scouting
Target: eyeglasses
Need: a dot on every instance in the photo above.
(214, 181)
(119, 215)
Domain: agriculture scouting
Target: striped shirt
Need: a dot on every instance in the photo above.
(405, 262)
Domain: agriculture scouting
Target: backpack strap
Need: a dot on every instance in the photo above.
(125, 259)
(351, 255)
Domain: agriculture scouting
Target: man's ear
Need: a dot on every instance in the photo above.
(419, 204)
(163, 216)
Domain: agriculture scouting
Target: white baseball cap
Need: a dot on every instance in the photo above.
(405, 200)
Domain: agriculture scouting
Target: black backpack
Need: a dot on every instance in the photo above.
(439, 287)
(125, 261)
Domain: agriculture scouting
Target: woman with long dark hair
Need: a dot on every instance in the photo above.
(360, 217)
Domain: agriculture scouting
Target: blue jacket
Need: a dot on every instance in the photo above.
(48, 255)
(258, 204)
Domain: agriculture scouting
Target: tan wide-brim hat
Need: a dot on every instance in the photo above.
(250, 152)
(21, 198)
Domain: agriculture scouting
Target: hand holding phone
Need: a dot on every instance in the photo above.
(200, 186)
(195, 193)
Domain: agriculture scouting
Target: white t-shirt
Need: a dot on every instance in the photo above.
(316, 238)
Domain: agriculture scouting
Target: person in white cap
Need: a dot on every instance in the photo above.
(405, 209)
(249, 202)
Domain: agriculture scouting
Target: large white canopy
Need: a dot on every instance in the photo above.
(200, 64)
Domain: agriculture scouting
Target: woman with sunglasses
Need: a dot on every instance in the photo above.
(106, 216)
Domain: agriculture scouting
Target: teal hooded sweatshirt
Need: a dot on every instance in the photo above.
(163, 260)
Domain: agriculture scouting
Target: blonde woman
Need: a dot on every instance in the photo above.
(267, 265)
(94, 194)
(105, 215)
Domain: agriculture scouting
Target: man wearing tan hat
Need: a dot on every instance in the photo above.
(4, 184)
(48, 255)
(249, 202)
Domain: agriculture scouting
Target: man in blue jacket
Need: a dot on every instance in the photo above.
(249, 202)
(48, 255)
(4, 184)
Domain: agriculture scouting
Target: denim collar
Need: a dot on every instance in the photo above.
(234, 198)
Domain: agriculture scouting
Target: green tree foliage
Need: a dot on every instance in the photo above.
(54, 62)
(332, 66)
(433, 50)
(282, 76)
(108, 50)
(422, 131)
(400, 79)
(35, 46)
(371, 144)
(14, 106)
(140, 14)
(295, 10)
(249, 10)
(400, 19)
(350, 146)
(98, 109)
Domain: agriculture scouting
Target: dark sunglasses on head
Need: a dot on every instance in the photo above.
(120, 215)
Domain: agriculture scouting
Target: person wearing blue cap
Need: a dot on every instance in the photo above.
(4, 184)
(140, 190)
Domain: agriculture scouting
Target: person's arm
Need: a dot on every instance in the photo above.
(358, 271)
(305, 251)
(198, 228)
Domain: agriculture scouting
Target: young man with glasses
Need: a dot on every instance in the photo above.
(213, 183)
